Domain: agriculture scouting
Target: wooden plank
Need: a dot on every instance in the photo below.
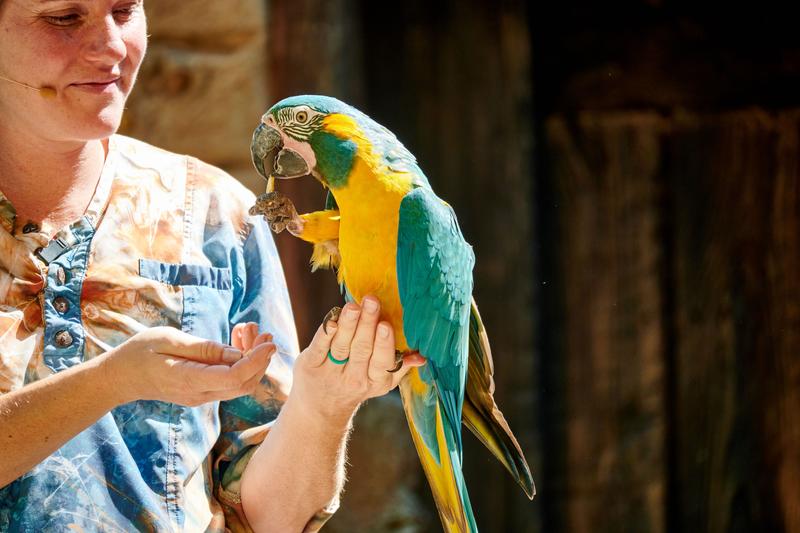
(612, 422)
(735, 182)
(725, 427)
(782, 428)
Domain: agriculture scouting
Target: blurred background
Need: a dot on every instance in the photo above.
(628, 176)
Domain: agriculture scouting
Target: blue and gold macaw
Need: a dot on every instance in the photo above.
(389, 235)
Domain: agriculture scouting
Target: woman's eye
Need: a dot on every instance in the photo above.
(63, 20)
(125, 13)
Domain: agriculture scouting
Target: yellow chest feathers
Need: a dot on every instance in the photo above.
(370, 209)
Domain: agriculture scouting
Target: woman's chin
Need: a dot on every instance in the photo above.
(89, 119)
(99, 126)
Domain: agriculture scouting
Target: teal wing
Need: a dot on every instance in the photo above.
(434, 273)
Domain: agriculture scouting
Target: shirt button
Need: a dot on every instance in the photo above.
(90, 311)
(30, 227)
(63, 338)
(61, 304)
(61, 276)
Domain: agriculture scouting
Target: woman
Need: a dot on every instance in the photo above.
(123, 270)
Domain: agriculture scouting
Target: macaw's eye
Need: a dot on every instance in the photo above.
(301, 117)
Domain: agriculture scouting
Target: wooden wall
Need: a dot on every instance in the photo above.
(629, 176)
(669, 168)
(677, 250)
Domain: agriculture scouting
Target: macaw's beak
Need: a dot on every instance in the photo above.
(270, 157)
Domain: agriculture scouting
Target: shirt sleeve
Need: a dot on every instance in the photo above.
(260, 296)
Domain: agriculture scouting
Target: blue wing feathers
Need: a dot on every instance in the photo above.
(434, 272)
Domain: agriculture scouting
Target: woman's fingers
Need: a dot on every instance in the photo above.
(245, 335)
(236, 336)
(174, 366)
(383, 355)
(337, 389)
(249, 334)
(262, 338)
(173, 342)
(364, 338)
(347, 323)
(249, 386)
(253, 363)
(317, 351)
(206, 378)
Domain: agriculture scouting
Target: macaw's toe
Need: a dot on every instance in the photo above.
(332, 316)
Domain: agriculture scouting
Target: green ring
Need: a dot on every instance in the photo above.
(337, 361)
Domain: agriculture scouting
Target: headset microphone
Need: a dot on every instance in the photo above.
(45, 92)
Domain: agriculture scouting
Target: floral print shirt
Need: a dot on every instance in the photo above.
(166, 241)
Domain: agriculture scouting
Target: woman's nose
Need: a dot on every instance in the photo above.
(106, 44)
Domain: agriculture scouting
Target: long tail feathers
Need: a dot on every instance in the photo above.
(439, 454)
(480, 412)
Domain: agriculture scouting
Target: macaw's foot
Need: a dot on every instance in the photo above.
(279, 212)
(333, 316)
(398, 360)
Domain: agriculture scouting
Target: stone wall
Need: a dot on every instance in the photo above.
(202, 86)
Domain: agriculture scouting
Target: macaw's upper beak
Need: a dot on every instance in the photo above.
(270, 157)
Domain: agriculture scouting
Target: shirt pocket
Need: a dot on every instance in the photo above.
(207, 295)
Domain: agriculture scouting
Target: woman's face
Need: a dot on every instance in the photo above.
(89, 51)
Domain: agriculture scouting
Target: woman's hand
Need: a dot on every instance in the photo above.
(172, 366)
(245, 336)
(299, 467)
(336, 390)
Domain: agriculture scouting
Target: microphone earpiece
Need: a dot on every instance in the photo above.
(45, 91)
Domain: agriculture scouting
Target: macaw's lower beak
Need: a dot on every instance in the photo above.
(290, 164)
(270, 157)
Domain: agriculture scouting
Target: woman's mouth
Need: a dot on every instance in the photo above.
(99, 86)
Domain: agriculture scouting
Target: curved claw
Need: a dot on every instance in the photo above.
(333, 316)
(398, 359)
